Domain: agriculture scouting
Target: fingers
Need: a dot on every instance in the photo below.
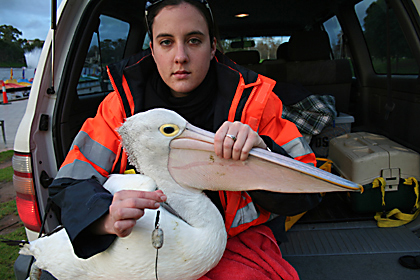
(140, 194)
(123, 228)
(128, 206)
(246, 139)
(140, 199)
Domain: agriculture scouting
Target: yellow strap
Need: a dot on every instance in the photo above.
(380, 182)
(291, 220)
(130, 171)
(325, 166)
(410, 181)
(395, 218)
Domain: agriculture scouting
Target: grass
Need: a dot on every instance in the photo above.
(7, 208)
(8, 253)
(6, 174)
(5, 156)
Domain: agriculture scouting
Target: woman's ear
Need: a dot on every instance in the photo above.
(151, 46)
(213, 48)
(151, 49)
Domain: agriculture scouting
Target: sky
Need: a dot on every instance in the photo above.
(32, 18)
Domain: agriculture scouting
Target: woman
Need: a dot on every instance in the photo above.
(182, 72)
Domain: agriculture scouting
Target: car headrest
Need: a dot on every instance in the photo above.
(283, 51)
(309, 45)
(244, 57)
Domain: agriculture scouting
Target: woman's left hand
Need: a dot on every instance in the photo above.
(235, 140)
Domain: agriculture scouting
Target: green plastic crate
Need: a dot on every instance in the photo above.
(370, 201)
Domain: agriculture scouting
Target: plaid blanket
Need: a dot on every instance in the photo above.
(312, 113)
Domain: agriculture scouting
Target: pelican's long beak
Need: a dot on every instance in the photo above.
(193, 163)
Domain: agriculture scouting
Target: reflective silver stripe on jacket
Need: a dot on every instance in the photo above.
(297, 147)
(94, 152)
(80, 170)
(245, 215)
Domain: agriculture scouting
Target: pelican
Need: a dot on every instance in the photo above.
(178, 158)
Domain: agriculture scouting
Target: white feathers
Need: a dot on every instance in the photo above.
(189, 250)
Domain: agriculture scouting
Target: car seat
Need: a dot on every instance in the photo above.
(308, 63)
(247, 58)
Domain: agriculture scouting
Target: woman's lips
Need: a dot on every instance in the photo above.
(181, 74)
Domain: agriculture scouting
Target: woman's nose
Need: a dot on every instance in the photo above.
(181, 55)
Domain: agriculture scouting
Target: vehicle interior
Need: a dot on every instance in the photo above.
(326, 47)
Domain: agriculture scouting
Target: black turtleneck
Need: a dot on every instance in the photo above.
(197, 107)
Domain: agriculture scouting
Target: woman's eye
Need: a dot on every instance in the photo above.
(165, 42)
(195, 41)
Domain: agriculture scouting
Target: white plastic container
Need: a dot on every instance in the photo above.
(361, 157)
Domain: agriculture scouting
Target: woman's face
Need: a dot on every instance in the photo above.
(181, 47)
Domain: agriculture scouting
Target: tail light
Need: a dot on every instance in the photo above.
(25, 192)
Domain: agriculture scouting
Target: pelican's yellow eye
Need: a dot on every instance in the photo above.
(169, 130)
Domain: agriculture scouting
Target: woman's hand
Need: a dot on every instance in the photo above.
(126, 208)
(239, 148)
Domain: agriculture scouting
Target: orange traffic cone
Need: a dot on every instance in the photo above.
(5, 101)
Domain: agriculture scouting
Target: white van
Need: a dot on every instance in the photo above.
(369, 63)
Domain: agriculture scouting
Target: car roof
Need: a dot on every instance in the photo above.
(266, 17)
(270, 18)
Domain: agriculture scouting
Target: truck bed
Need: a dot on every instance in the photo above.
(332, 244)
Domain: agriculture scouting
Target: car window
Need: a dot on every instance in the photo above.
(107, 46)
(266, 46)
(372, 15)
(339, 47)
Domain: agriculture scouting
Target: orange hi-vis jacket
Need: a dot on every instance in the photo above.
(242, 96)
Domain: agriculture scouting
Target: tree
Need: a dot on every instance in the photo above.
(11, 51)
(13, 48)
(9, 34)
(111, 51)
(31, 46)
(376, 34)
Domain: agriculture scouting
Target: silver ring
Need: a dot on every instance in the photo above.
(231, 137)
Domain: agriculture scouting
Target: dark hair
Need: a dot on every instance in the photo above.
(155, 9)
